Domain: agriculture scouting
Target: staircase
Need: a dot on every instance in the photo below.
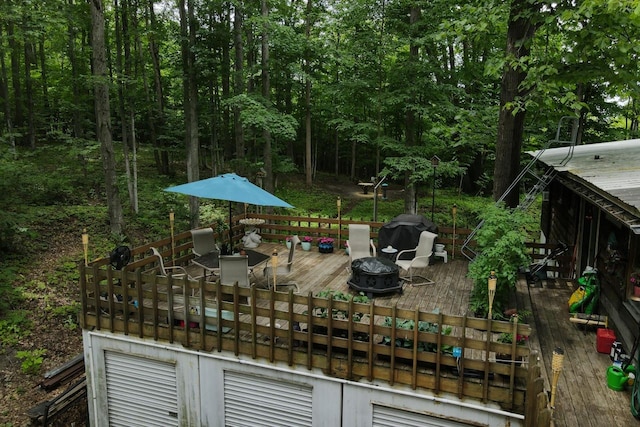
(541, 180)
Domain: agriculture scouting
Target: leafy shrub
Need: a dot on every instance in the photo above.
(14, 327)
(31, 360)
(410, 324)
(500, 248)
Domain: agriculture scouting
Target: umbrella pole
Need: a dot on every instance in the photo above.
(230, 229)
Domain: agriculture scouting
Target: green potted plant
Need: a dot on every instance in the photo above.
(500, 245)
(508, 337)
(325, 245)
(406, 340)
(338, 314)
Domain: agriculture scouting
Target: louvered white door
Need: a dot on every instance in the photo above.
(140, 391)
(384, 416)
(255, 401)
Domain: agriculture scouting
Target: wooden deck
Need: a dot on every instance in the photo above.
(582, 399)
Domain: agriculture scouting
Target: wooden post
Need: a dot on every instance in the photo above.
(173, 243)
(339, 203)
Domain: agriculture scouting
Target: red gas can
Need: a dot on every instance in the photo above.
(604, 339)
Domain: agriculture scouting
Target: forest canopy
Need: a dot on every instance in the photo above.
(355, 87)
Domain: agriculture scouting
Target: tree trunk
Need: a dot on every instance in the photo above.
(45, 78)
(103, 119)
(29, 59)
(410, 120)
(520, 31)
(238, 81)
(6, 105)
(307, 97)
(266, 89)
(161, 155)
(190, 98)
(76, 118)
(14, 51)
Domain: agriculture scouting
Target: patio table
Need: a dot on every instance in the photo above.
(211, 262)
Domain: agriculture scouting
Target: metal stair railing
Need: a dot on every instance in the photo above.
(542, 181)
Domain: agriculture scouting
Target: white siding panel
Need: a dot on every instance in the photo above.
(384, 416)
(140, 391)
(252, 401)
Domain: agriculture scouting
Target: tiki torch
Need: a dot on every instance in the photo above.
(339, 204)
(85, 246)
(556, 368)
(173, 244)
(274, 267)
(491, 286)
(454, 212)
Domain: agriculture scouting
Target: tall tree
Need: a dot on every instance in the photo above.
(190, 99)
(266, 94)
(307, 96)
(238, 76)
(103, 116)
(523, 22)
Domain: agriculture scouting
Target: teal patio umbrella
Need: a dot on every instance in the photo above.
(232, 188)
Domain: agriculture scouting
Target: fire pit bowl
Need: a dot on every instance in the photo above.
(375, 275)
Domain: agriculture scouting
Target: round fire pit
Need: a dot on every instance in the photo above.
(374, 275)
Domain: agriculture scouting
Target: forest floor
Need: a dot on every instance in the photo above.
(61, 339)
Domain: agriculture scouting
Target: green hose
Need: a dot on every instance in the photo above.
(635, 397)
(635, 394)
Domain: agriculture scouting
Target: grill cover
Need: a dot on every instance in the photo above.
(403, 231)
(374, 275)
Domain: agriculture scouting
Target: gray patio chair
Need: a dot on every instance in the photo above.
(282, 270)
(234, 268)
(204, 241)
(360, 242)
(421, 255)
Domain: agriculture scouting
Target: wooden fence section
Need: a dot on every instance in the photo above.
(356, 341)
(278, 227)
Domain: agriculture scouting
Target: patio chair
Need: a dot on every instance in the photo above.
(234, 268)
(176, 271)
(360, 242)
(282, 270)
(204, 241)
(421, 255)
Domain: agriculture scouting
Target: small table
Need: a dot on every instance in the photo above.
(365, 186)
(211, 261)
(442, 254)
(390, 252)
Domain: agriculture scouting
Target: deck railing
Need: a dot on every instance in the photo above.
(453, 354)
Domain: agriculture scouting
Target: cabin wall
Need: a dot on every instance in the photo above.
(603, 242)
(144, 382)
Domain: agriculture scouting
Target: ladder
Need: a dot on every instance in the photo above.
(541, 180)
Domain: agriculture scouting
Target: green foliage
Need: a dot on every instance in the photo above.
(409, 324)
(500, 248)
(31, 360)
(308, 200)
(340, 296)
(14, 327)
(10, 295)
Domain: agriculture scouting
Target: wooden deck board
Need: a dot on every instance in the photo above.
(582, 396)
(582, 399)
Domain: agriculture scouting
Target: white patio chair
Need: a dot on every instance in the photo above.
(420, 259)
(360, 242)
